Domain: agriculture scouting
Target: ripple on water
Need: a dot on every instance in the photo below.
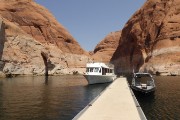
(164, 104)
(36, 98)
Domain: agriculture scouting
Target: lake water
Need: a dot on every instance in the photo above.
(36, 98)
(164, 104)
(62, 97)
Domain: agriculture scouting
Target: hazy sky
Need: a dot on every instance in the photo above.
(89, 21)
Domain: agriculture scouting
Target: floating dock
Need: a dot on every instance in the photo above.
(116, 102)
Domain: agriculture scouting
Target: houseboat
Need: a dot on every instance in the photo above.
(99, 73)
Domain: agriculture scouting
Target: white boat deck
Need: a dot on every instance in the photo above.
(114, 103)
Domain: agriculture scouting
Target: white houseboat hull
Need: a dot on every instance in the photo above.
(94, 79)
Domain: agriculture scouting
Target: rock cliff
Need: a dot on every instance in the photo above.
(105, 49)
(32, 39)
(150, 40)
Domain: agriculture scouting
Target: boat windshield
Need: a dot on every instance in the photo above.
(142, 75)
(144, 79)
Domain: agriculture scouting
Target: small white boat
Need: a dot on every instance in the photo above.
(143, 82)
(99, 73)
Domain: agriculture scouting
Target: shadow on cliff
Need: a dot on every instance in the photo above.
(127, 60)
(48, 66)
(47, 63)
(2, 41)
(45, 59)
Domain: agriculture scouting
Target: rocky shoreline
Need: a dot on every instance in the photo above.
(2, 75)
(74, 71)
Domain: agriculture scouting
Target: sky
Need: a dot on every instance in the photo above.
(89, 21)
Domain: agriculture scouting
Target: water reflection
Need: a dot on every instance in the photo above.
(46, 80)
(164, 104)
(42, 98)
(62, 97)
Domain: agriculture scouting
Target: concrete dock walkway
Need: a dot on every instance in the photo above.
(116, 102)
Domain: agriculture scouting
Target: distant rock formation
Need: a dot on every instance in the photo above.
(150, 40)
(105, 49)
(26, 31)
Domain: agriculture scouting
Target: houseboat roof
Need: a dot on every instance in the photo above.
(98, 64)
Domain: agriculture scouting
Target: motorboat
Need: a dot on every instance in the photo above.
(97, 72)
(143, 82)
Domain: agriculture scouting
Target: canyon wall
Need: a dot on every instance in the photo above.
(106, 48)
(150, 40)
(31, 39)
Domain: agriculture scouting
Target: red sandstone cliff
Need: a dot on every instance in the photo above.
(105, 49)
(39, 23)
(28, 30)
(150, 40)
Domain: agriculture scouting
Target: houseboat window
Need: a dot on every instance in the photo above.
(103, 71)
(106, 70)
(96, 69)
(100, 70)
(91, 69)
(87, 69)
